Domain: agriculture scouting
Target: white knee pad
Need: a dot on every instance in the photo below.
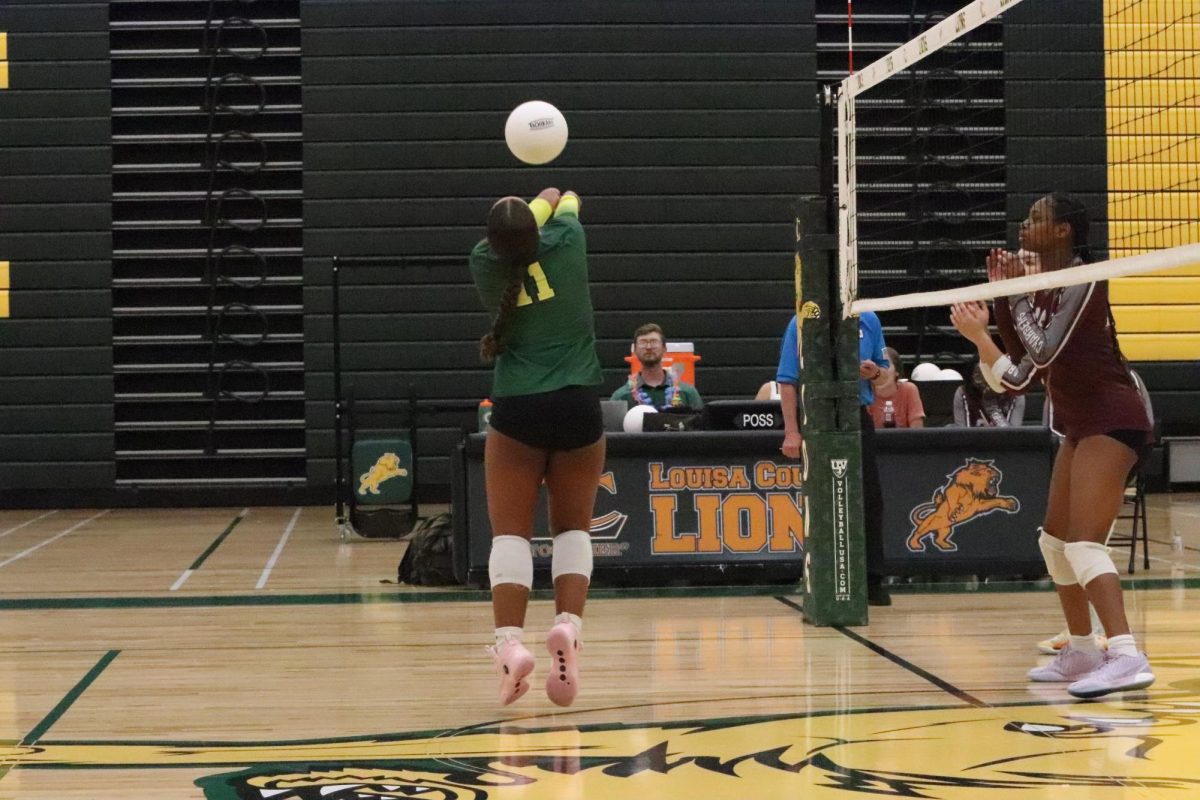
(572, 554)
(1057, 564)
(1090, 560)
(511, 561)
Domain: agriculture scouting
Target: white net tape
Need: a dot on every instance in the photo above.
(1171, 258)
(953, 27)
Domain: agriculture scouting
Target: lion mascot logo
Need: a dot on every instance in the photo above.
(972, 490)
(385, 468)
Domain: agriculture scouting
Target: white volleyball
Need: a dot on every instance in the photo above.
(536, 132)
(926, 371)
(635, 417)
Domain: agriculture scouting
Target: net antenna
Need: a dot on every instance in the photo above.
(1151, 99)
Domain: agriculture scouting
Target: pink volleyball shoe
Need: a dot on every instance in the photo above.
(513, 662)
(563, 645)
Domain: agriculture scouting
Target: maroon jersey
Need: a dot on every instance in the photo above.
(1066, 338)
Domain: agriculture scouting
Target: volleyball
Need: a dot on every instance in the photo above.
(536, 132)
(635, 418)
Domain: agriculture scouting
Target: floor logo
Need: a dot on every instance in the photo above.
(972, 490)
(953, 753)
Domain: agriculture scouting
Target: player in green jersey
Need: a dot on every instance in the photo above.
(546, 427)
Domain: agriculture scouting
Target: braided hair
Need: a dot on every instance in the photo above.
(513, 236)
(1068, 208)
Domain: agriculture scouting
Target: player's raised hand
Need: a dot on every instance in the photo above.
(970, 319)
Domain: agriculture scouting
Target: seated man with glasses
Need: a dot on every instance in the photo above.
(654, 385)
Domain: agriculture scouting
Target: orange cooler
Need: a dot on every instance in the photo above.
(680, 358)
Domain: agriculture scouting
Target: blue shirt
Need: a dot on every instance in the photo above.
(870, 347)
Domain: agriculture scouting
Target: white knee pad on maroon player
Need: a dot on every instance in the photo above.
(1090, 560)
(1053, 551)
(572, 554)
(511, 561)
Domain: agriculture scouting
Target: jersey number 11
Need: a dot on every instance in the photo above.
(543, 290)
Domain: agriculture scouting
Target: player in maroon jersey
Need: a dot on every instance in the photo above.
(1066, 337)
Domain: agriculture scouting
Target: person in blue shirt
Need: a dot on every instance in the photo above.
(872, 361)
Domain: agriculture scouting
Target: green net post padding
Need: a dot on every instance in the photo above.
(835, 591)
(382, 471)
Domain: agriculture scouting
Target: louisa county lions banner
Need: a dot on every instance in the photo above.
(955, 500)
(674, 500)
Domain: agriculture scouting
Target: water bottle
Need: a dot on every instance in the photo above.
(889, 414)
(1177, 542)
(485, 414)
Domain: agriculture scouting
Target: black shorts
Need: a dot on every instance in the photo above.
(1138, 442)
(565, 419)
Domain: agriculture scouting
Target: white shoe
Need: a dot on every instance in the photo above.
(1118, 673)
(1069, 665)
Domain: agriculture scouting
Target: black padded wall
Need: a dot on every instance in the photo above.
(56, 392)
(693, 129)
(1055, 108)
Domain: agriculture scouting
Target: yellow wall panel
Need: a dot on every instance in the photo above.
(3, 303)
(1158, 148)
(1134, 63)
(3, 46)
(1160, 347)
(3, 74)
(1154, 205)
(1157, 319)
(1153, 93)
(1151, 291)
(1152, 89)
(1121, 35)
(1152, 234)
(1150, 177)
(5, 279)
(1133, 120)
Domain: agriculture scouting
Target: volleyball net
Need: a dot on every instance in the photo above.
(941, 147)
(945, 142)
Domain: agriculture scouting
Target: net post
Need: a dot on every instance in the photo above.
(834, 562)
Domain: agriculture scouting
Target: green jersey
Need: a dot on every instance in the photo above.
(550, 341)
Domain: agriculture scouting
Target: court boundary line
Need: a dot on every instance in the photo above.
(60, 708)
(26, 524)
(187, 573)
(266, 573)
(52, 539)
(483, 596)
(68, 700)
(900, 661)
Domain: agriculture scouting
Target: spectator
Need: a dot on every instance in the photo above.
(897, 402)
(654, 385)
(977, 406)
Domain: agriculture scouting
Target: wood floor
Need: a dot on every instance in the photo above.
(221, 653)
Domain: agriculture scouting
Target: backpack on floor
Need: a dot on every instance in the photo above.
(429, 559)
